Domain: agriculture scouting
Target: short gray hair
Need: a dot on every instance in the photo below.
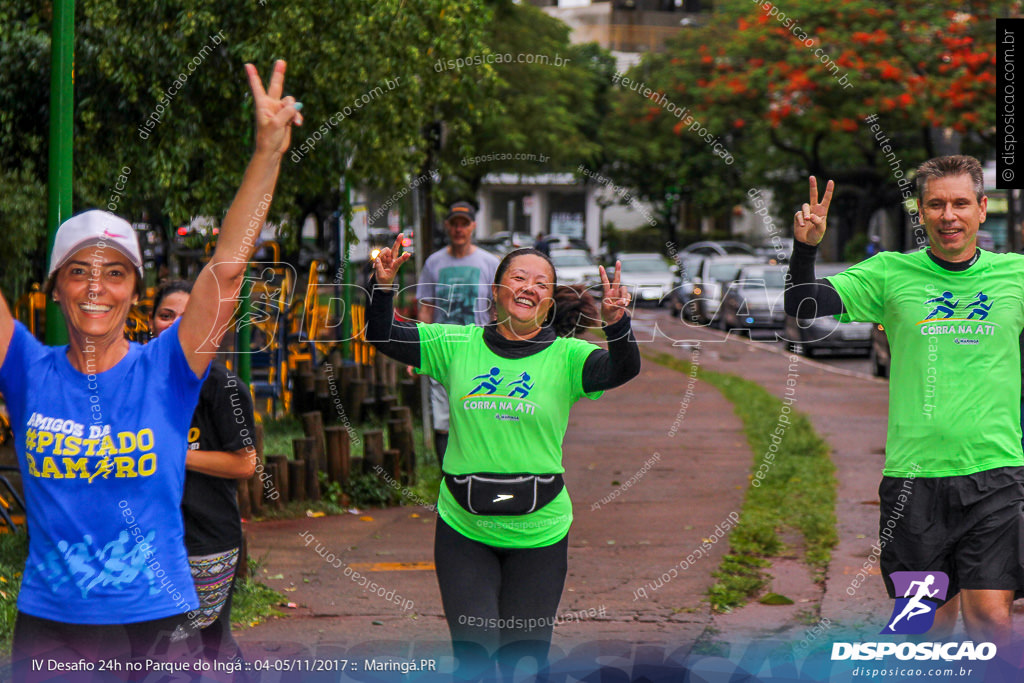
(941, 167)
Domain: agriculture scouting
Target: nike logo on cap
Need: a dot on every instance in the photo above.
(107, 233)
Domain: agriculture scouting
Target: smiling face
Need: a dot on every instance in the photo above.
(952, 215)
(170, 308)
(96, 290)
(525, 294)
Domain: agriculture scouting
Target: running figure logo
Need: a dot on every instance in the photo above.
(489, 382)
(978, 306)
(922, 593)
(522, 386)
(943, 306)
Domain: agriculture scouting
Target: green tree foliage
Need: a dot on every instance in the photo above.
(539, 95)
(160, 90)
(24, 55)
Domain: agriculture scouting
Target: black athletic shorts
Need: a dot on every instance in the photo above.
(971, 527)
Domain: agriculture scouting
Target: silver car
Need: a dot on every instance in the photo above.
(826, 334)
(754, 301)
(711, 281)
(649, 277)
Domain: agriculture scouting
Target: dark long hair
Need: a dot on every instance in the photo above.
(574, 308)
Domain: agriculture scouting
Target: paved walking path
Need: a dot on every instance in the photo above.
(680, 465)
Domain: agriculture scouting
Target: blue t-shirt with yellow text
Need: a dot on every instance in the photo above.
(102, 458)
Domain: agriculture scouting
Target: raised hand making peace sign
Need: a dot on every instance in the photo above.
(274, 114)
(809, 222)
(615, 299)
(387, 263)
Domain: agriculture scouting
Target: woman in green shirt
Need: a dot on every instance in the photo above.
(501, 543)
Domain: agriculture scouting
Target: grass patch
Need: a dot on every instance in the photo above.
(797, 492)
(13, 552)
(253, 601)
(278, 434)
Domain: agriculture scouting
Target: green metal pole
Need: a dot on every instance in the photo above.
(244, 370)
(62, 62)
(346, 294)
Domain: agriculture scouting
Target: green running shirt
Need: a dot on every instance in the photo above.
(507, 416)
(954, 387)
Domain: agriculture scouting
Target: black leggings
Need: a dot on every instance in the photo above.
(110, 648)
(498, 599)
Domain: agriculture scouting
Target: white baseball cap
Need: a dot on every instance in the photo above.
(96, 227)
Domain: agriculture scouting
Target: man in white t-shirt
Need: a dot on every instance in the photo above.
(455, 289)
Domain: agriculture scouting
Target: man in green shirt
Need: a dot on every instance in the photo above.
(952, 492)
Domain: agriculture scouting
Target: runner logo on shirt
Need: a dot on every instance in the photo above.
(923, 593)
(117, 564)
(505, 394)
(949, 314)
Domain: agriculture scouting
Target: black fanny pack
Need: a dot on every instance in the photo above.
(504, 494)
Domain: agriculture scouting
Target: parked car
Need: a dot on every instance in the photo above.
(716, 248)
(713, 277)
(500, 243)
(648, 276)
(753, 301)
(565, 242)
(826, 334)
(575, 266)
(776, 253)
(682, 285)
(881, 359)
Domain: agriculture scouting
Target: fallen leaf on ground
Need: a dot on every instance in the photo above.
(775, 599)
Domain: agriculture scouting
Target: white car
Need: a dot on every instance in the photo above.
(649, 277)
(574, 267)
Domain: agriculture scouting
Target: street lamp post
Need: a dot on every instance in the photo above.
(62, 97)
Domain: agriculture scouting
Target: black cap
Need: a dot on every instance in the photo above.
(461, 209)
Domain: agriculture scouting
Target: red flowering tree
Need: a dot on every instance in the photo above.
(788, 88)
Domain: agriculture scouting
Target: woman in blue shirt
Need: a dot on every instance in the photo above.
(101, 428)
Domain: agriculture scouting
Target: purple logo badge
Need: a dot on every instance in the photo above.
(922, 593)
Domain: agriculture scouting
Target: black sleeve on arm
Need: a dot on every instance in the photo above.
(620, 363)
(807, 297)
(398, 340)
